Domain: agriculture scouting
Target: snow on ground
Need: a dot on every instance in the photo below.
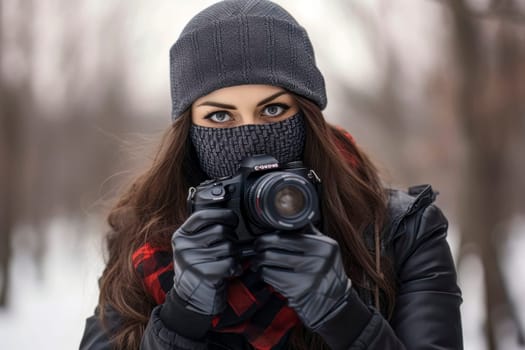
(49, 311)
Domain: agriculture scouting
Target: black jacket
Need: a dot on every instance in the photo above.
(426, 315)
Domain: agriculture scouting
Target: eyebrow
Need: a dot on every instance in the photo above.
(226, 106)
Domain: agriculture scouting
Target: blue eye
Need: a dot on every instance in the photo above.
(219, 117)
(275, 110)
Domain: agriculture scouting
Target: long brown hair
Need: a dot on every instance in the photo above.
(154, 205)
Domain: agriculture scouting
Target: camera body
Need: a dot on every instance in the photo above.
(265, 195)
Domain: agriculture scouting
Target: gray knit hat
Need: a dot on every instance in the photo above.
(237, 42)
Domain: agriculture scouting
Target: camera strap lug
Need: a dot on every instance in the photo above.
(312, 175)
(191, 195)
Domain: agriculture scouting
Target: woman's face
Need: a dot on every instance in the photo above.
(243, 104)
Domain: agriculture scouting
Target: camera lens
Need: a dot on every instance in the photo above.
(281, 200)
(289, 201)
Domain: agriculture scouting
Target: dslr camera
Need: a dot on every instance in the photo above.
(265, 195)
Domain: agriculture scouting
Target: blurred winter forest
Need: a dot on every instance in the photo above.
(433, 90)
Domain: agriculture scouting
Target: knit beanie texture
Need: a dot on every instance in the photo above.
(236, 42)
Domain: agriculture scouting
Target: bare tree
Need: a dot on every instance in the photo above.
(491, 64)
(15, 106)
(7, 145)
(55, 165)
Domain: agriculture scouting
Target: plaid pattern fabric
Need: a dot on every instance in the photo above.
(254, 309)
(349, 157)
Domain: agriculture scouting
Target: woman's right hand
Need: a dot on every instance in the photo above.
(204, 258)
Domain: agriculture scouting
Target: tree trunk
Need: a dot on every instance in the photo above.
(8, 132)
(5, 162)
(488, 100)
(15, 104)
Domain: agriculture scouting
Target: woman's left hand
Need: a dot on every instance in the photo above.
(307, 269)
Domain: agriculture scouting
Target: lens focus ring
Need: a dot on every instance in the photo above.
(282, 200)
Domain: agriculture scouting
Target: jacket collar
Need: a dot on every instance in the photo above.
(403, 204)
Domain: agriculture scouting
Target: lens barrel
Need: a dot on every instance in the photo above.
(282, 200)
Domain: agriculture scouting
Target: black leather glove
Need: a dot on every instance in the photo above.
(307, 269)
(204, 258)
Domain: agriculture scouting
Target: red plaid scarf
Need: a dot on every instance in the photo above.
(254, 309)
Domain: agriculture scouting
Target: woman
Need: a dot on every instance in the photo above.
(376, 273)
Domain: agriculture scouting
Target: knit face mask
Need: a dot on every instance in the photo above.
(221, 150)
